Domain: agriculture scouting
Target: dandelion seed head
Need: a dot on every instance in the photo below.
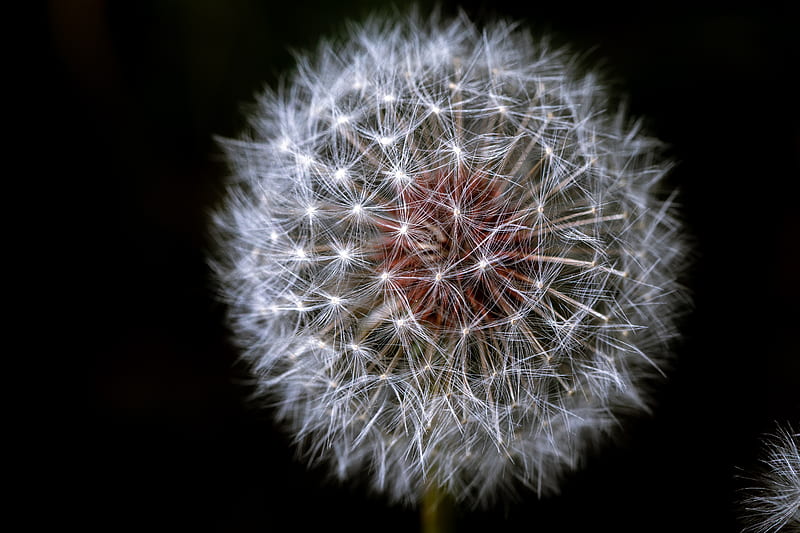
(476, 246)
(772, 503)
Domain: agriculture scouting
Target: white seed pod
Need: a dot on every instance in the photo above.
(772, 504)
(445, 260)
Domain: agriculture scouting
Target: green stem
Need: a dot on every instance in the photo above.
(437, 511)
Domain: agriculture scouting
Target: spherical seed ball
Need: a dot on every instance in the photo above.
(444, 259)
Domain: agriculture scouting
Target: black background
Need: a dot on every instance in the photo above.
(136, 90)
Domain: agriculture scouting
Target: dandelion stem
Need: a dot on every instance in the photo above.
(436, 513)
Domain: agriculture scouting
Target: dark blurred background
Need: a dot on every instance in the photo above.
(134, 92)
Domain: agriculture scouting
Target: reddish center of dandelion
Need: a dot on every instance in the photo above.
(451, 244)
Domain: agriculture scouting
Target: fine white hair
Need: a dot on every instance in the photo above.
(772, 502)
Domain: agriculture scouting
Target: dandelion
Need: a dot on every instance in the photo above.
(472, 274)
(773, 504)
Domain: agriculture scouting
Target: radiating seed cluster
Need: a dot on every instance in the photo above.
(444, 259)
(773, 503)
